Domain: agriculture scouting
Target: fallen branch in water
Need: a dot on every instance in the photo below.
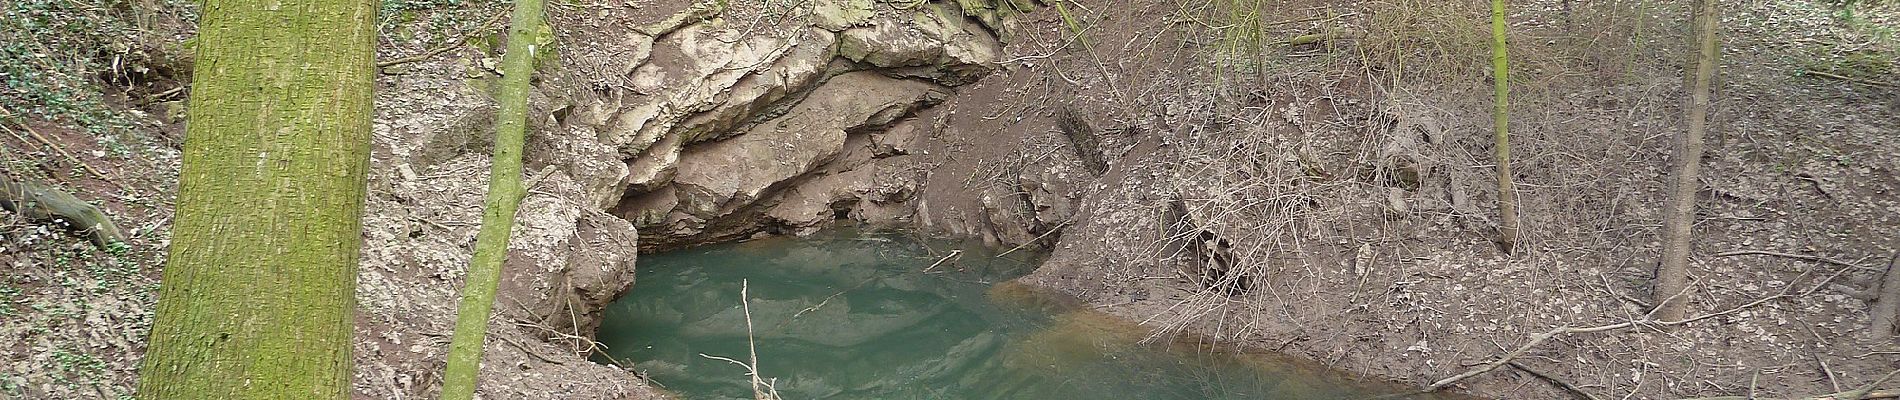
(761, 389)
(1647, 320)
(821, 304)
(953, 254)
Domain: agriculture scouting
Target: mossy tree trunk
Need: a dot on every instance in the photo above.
(498, 211)
(258, 294)
(1501, 120)
(1672, 276)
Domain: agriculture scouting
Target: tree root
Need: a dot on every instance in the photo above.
(42, 203)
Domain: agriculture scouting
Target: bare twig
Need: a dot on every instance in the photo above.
(61, 150)
(451, 45)
(761, 390)
(1829, 372)
(1566, 386)
(953, 254)
(1648, 320)
(1859, 394)
(1848, 79)
(1793, 256)
(1854, 395)
(1058, 228)
(524, 349)
(827, 300)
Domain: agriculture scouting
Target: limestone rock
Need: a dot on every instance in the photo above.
(799, 66)
(928, 43)
(836, 15)
(781, 149)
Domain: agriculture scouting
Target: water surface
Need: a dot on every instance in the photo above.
(864, 316)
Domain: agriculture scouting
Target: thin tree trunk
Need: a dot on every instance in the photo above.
(1501, 119)
(258, 294)
(498, 215)
(1679, 216)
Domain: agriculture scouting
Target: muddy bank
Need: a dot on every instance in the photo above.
(1346, 216)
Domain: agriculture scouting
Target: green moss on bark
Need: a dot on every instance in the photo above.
(257, 299)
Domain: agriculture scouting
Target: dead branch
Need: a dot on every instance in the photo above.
(1863, 393)
(1566, 386)
(1793, 256)
(40, 202)
(451, 45)
(1647, 321)
(1058, 228)
(1848, 79)
(953, 254)
(1873, 395)
(827, 300)
(62, 151)
(524, 349)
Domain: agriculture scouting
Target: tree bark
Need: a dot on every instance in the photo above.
(257, 298)
(498, 216)
(1679, 215)
(1888, 304)
(1501, 118)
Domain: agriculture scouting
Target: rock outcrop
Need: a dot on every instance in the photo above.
(703, 123)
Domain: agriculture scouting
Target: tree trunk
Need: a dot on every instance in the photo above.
(1887, 306)
(1501, 118)
(498, 214)
(1679, 215)
(258, 294)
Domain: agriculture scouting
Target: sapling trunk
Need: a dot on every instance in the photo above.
(498, 210)
(1672, 276)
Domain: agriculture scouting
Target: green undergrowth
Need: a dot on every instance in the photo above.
(58, 58)
(1870, 45)
(437, 22)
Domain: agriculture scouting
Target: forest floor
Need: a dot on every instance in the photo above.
(74, 316)
(1351, 181)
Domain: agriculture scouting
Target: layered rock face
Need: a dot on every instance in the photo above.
(726, 134)
(655, 127)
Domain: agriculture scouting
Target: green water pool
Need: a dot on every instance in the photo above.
(850, 315)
